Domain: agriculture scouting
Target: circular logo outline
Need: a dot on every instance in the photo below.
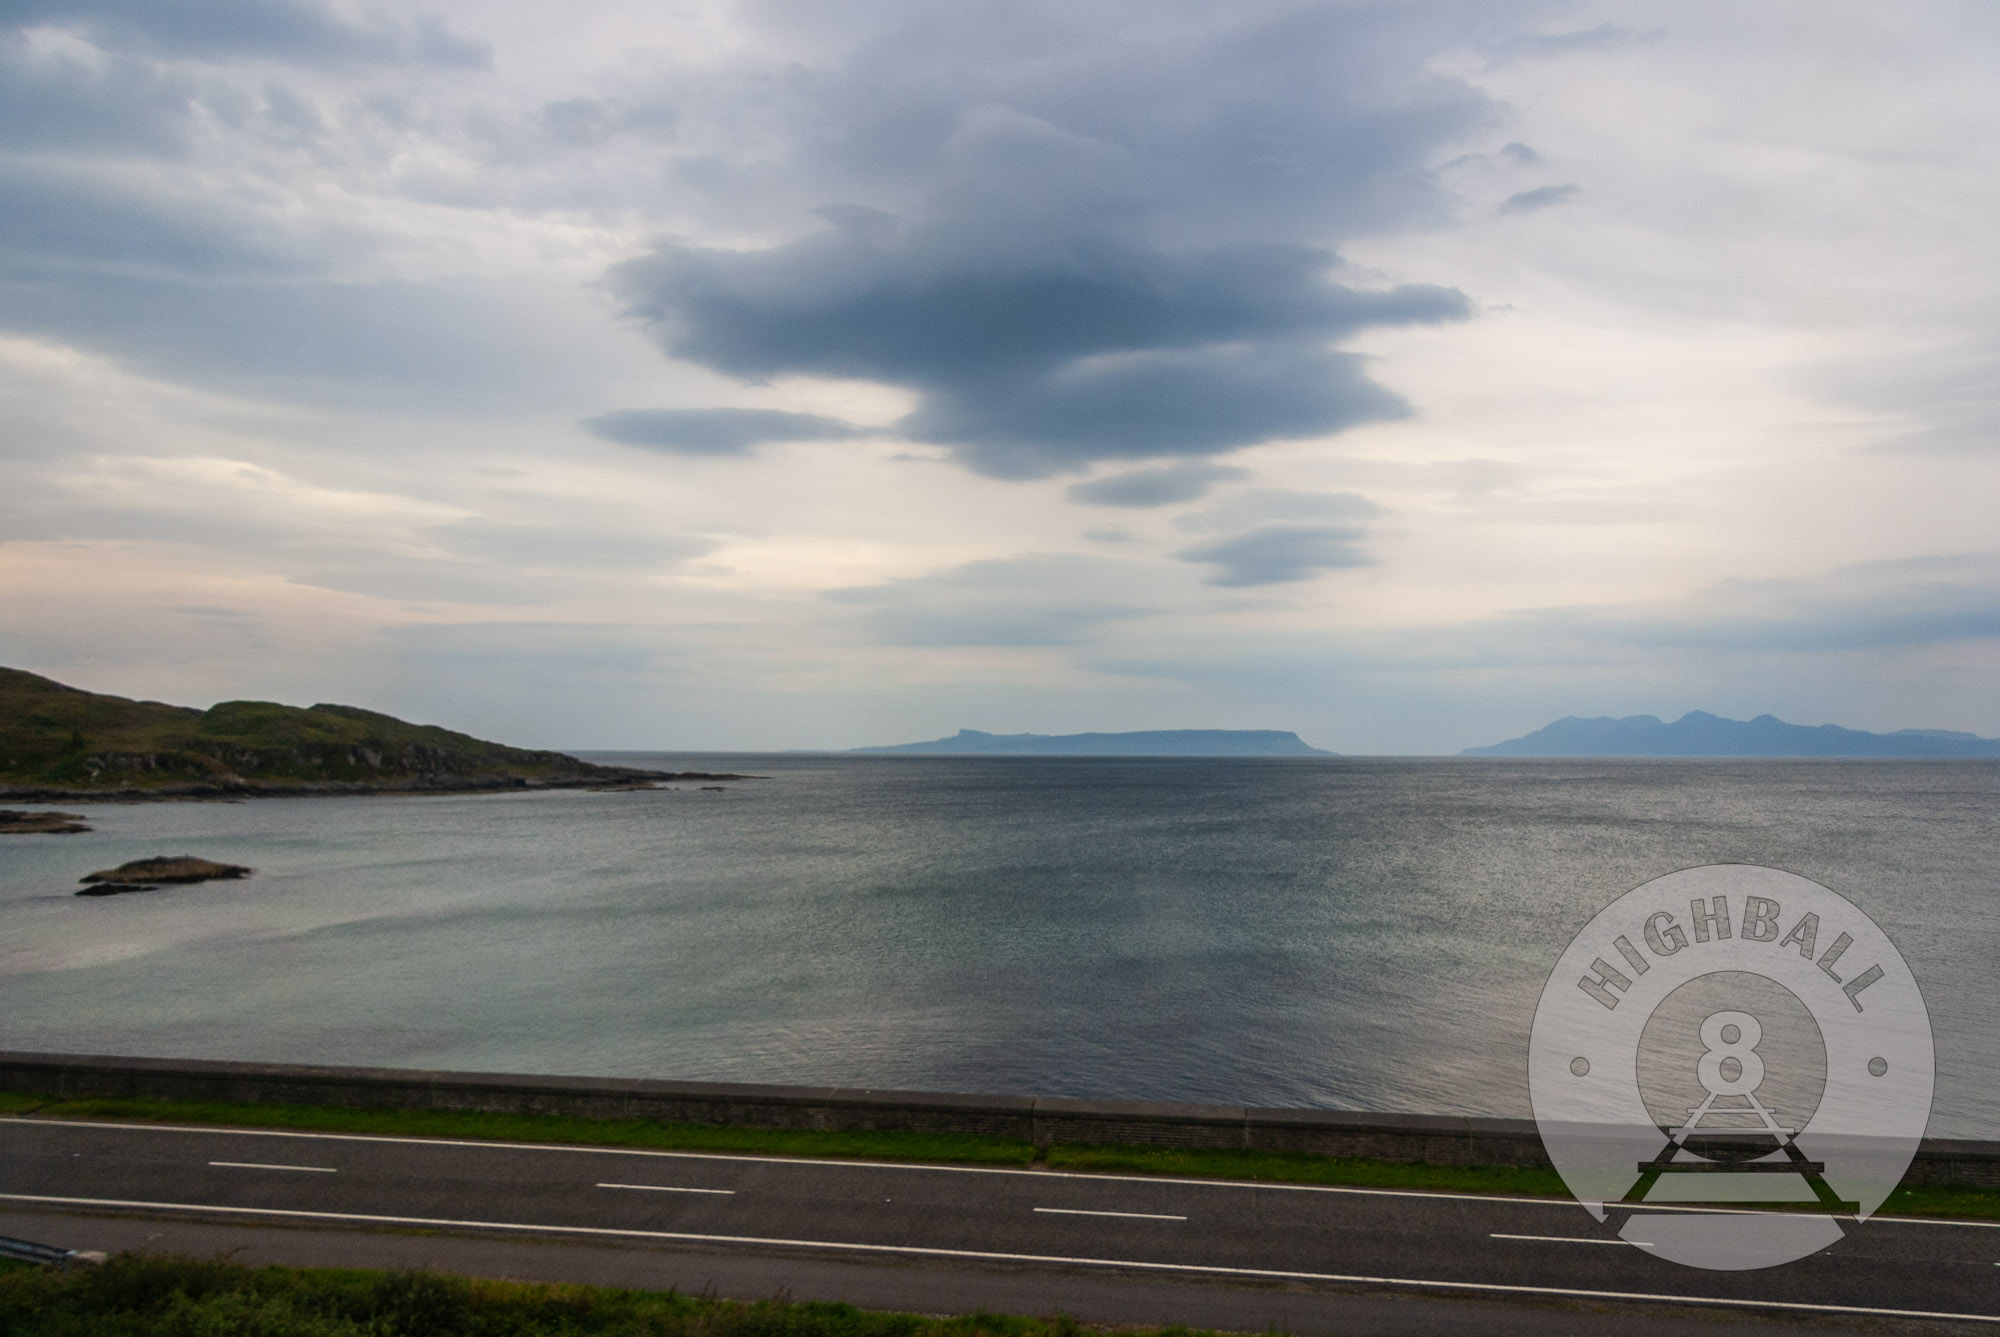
(1627, 1168)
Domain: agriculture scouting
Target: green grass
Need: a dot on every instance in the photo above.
(940, 1148)
(1303, 1168)
(134, 1296)
(1934, 1200)
(944, 1147)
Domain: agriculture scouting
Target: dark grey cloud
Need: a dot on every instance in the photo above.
(714, 431)
(1100, 242)
(307, 32)
(1043, 599)
(1541, 197)
(62, 216)
(55, 100)
(1154, 487)
(1033, 363)
(1277, 553)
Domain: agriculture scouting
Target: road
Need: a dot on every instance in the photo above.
(949, 1239)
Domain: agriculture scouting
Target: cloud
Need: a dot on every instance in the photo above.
(1031, 364)
(1278, 553)
(1257, 505)
(714, 431)
(1883, 607)
(1603, 37)
(1541, 197)
(1036, 600)
(1103, 248)
(559, 546)
(1154, 487)
(1867, 606)
(306, 32)
(67, 100)
(433, 345)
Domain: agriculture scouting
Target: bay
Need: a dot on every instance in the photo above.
(1367, 933)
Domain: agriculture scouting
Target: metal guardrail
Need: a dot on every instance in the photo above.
(48, 1255)
(28, 1251)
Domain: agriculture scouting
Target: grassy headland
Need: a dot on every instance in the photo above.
(862, 1144)
(58, 741)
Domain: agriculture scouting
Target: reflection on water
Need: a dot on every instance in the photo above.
(1326, 931)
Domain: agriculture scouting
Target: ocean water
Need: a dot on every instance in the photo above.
(1335, 932)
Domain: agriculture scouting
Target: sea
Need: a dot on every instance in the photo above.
(1332, 932)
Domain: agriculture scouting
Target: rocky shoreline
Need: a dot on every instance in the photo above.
(471, 784)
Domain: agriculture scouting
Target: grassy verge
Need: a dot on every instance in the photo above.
(1301, 1168)
(942, 1148)
(137, 1297)
(945, 1147)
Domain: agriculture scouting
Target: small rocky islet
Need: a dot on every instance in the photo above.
(15, 822)
(152, 874)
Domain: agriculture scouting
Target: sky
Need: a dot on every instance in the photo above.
(710, 376)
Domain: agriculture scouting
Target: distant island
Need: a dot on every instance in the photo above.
(1143, 743)
(59, 742)
(1700, 734)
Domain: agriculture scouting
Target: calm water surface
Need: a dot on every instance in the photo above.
(1365, 933)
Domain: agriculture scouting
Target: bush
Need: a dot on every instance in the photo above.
(146, 1296)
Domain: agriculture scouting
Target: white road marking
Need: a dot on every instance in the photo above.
(1200, 1269)
(255, 1165)
(1570, 1239)
(1565, 1204)
(670, 1188)
(1142, 1216)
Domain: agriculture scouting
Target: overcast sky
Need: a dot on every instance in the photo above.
(704, 375)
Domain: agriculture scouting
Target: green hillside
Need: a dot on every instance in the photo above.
(57, 738)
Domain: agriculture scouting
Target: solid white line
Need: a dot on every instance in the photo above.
(1569, 1239)
(669, 1188)
(1418, 1283)
(254, 1165)
(1273, 1186)
(1142, 1216)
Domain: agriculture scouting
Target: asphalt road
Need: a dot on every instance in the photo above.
(948, 1239)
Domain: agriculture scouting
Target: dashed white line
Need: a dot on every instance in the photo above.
(673, 1188)
(258, 1165)
(1196, 1269)
(1138, 1216)
(1562, 1204)
(1570, 1239)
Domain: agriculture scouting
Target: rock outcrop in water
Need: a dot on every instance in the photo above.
(17, 823)
(151, 874)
